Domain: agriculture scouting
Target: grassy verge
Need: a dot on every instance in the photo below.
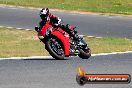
(103, 6)
(25, 43)
(19, 43)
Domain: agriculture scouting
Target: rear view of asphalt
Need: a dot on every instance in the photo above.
(50, 73)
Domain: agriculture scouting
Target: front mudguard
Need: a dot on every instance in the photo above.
(65, 41)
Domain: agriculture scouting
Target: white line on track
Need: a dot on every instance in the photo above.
(18, 28)
(15, 28)
(1, 26)
(10, 27)
(113, 53)
(30, 57)
(46, 57)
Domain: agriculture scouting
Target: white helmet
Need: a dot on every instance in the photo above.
(44, 13)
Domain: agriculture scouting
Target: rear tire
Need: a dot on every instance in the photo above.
(51, 51)
(85, 54)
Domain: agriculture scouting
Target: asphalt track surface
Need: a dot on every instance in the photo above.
(94, 25)
(50, 73)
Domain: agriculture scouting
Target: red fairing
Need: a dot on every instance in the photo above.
(59, 34)
(43, 30)
(65, 40)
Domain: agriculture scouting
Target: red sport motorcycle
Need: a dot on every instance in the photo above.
(59, 44)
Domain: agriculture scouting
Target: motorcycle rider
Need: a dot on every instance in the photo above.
(45, 15)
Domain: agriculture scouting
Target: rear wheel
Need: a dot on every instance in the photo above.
(85, 53)
(55, 48)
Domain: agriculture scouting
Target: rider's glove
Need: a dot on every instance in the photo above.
(56, 24)
(37, 28)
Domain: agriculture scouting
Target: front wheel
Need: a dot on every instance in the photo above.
(55, 48)
(85, 53)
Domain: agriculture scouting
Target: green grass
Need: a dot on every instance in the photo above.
(103, 6)
(23, 43)
(19, 43)
(108, 45)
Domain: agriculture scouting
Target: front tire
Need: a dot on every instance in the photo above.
(52, 48)
(85, 54)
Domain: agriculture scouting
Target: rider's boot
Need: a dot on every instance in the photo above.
(71, 32)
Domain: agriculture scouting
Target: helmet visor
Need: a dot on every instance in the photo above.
(43, 16)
